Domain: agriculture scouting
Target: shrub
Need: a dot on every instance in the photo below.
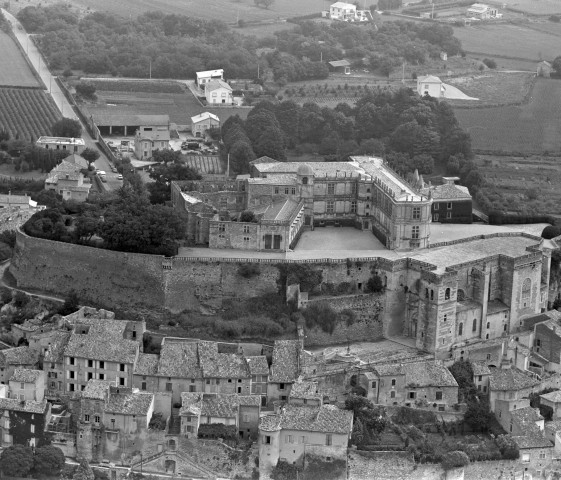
(490, 63)
(321, 315)
(249, 270)
(508, 447)
(374, 284)
(20, 299)
(554, 18)
(455, 459)
(218, 430)
(551, 231)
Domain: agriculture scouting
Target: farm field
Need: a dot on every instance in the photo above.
(179, 106)
(526, 184)
(18, 73)
(536, 7)
(531, 128)
(514, 41)
(27, 112)
(224, 10)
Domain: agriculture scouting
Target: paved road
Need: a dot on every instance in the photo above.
(38, 62)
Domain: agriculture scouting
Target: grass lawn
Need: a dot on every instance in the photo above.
(16, 71)
(515, 41)
(528, 129)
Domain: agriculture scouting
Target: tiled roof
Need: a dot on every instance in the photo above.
(526, 416)
(324, 419)
(97, 389)
(281, 179)
(25, 375)
(103, 341)
(448, 192)
(204, 116)
(129, 403)
(429, 79)
(281, 211)
(554, 397)
(305, 389)
(180, 360)
(258, 365)
(29, 406)
(221, 365)
(222, 406)
(147, 364)
(55, 351)
(320, 169)
(553, 426)
(77, 160)
(533, 440)
(18, 356)
(480, 368)
(389, 370)
(216, 84)
(263, 159)
(249, 400)
(285, 366)
(512, 379)
(428, 374)
(191, 403)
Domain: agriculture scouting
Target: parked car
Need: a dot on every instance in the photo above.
(119, 177)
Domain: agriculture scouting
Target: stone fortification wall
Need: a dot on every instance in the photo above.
(111, 279)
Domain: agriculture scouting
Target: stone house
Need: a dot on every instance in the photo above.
(53, 363)
(430, 85)
(218, 92)
(28, 329)
(285, 369)
(71, 145)
(259, 371)
(67, 180)
(203, 122)
(285, 435)
(481, 376)
(148, 139)
(536, 454)
(552, 400)
(451, 203)
(209, 75)
(416, 384)
(23, 422)
(27, 385)
(12, 358)
(343, 11)
(305, 393)
(544, 69)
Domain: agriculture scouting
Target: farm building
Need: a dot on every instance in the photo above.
(342, 11)
(218, 92)
(341, 66)
(67, 180)
(73, 145)
(127, 124)
(203, 122)
(482, 11)
(147, 139)
(429, 85)
(17, 202)
(209, 75)
(544, 69)
(451, 203)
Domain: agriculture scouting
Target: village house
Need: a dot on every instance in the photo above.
(209, 75)
(305, 393)
(259, 371)
(72, 145)
(203, 122)
(430, 85)
(416, 384)
(149, 138)
(544, 69)
(481, 11)
(67, 180)
(53, 363)
(481, 376)
(27, 385)
(285, 369)
(12, 203)
(218, 92)
(23, 422)
(286, 435)
(12, 358)
(552, 400)
(451, 203)
(342, 11)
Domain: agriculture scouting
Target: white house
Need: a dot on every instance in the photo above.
(208, 76)
(150, 138)
(203, 122)
(429, 85)
(342, 11)
(482, 11)
(72, 145)
(218, 92)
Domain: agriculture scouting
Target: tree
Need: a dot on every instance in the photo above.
(264, 3)
(86, 226)
(86, 90)
(84, 471)
(90, 155)
(70, 305)
(164, 174)
(455, 459)
(49, 460)
(478, 415)
(551, 231)
(165, 156)
(285, 471)
(67, 127)
(16, 461)
(556, 64)
(247, 216)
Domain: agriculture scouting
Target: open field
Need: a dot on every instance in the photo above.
(179, 106)
(528, 184)
(27, 112)
(514, 41)
(224, 10)
(16, 71)
(535, 7)
(531, 128)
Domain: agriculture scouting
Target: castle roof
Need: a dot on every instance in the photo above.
(282, 211)
(448, 191)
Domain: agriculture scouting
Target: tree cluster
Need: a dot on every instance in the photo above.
(165, 173)
(20, 461)
(369, 421)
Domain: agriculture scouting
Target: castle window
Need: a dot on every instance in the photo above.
(293, 191)
(415, 232)
(445, 317)
(487, 337)
(447, 294)
(330, 208)
(353, 188)
(223, 200)
(246, 239)
(526, 292)
(449, 205)
(460, 329)
(432, 294)
(488, 325)
(367, 190)
(353, 206)
(305, 181)
(416, 213)
(435, 206)
(392, 394)
(246, 229)
(330, 188)
(221, 227)
(276, 190)
(474, 326)
(286, 190)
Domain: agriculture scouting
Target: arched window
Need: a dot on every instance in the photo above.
(447, 294)
(305, 181)
(488, 324)
(526, 292)
(474, 327)
(461, 329)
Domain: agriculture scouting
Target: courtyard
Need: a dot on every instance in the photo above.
(338, 238)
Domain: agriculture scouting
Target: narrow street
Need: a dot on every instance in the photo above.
(38, 63)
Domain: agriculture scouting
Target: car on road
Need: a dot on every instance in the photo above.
(119, 177)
